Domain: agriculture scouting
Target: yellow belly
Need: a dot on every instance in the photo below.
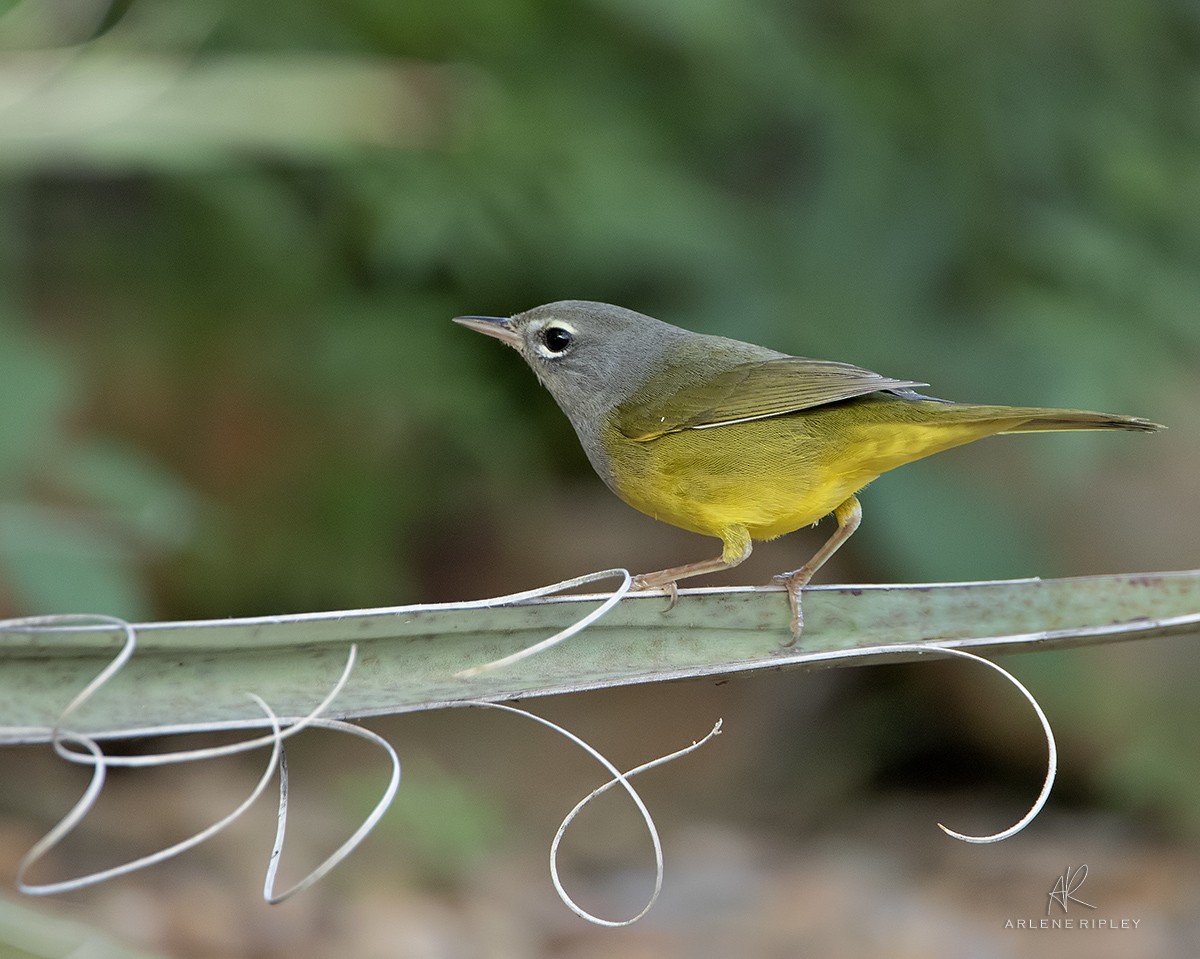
(772, 476)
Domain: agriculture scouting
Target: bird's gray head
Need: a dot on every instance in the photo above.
(590, 356)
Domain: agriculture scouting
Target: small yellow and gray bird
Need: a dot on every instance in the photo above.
(737, 441)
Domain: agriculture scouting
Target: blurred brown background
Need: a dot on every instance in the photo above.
(231, 240)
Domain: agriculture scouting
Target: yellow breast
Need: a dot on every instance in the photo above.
(773, 476)
(754, 475)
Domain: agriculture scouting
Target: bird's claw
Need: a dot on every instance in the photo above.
(794, 582)
(797, 616)
(671, 588)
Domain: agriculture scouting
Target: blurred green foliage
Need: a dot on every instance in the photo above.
(999, 198)
(227, 380)
(441, 826)
(75, 512)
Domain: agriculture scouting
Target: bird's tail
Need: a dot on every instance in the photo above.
(1046, 419)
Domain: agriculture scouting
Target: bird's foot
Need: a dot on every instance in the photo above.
(647, 581)
(794, 582)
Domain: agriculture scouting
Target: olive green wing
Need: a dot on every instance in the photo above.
(749, 391)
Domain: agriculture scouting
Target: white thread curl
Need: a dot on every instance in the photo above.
(1052, 748)
(619, 778)
(90, 753)
(578, 626)
(359, 834)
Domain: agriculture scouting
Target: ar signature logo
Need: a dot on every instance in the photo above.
(1065, 888)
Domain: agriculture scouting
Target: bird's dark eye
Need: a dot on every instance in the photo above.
(556, 338)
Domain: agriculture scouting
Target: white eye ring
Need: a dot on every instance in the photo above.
(553, 339)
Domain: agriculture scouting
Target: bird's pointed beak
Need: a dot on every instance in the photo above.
(498, 326)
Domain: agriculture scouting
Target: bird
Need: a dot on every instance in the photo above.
(737, 441)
